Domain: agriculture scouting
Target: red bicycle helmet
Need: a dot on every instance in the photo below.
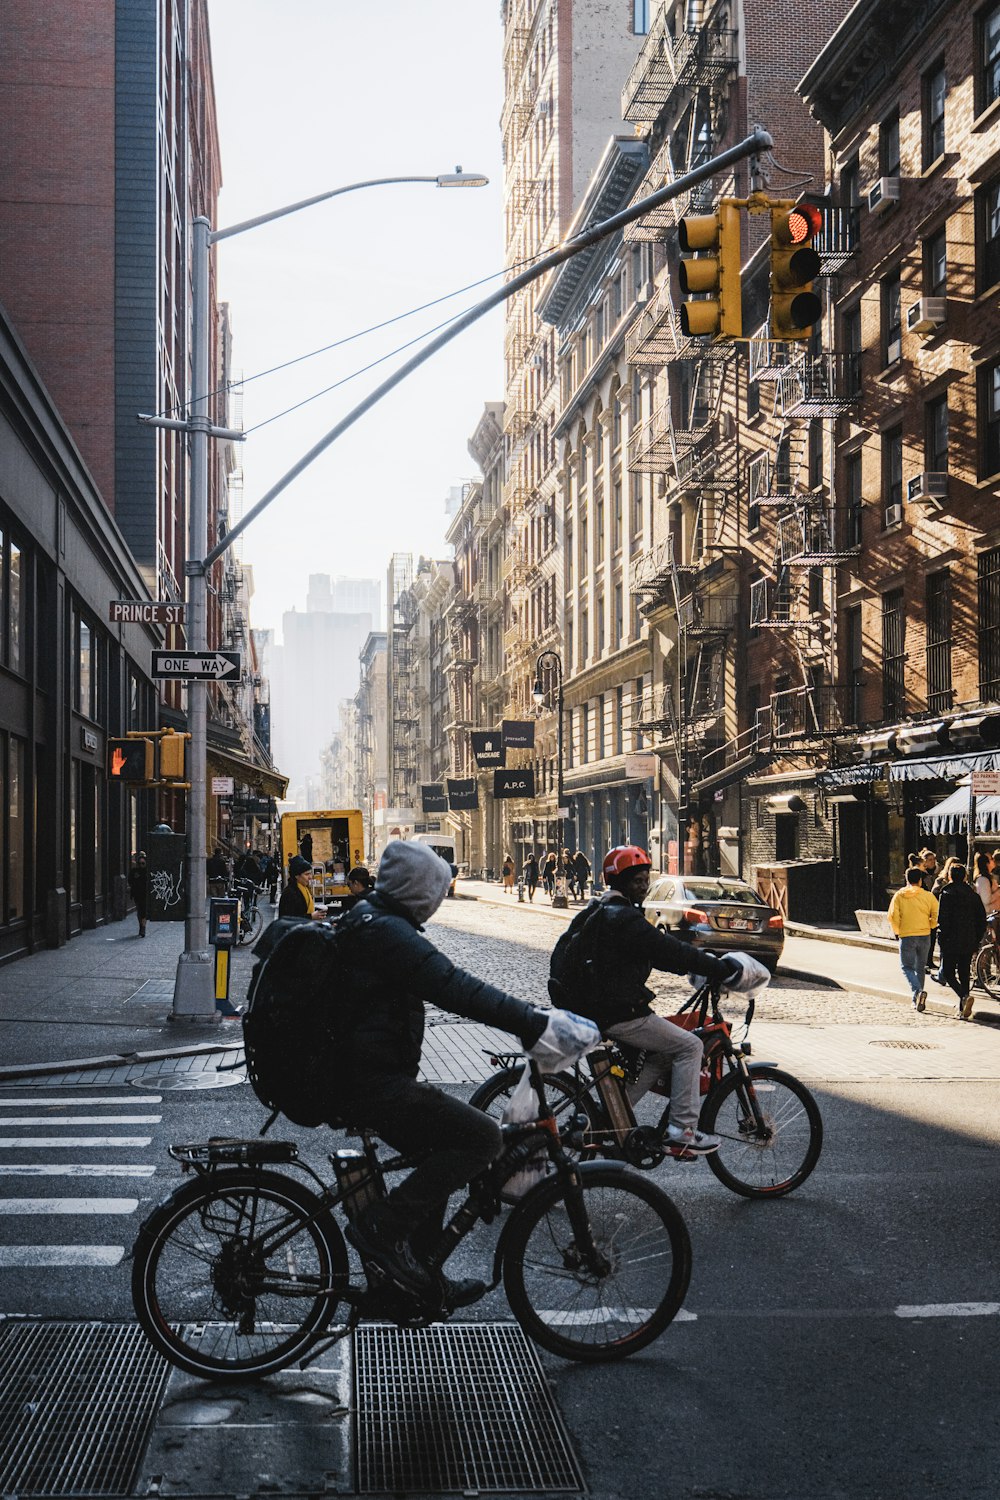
(625, 857)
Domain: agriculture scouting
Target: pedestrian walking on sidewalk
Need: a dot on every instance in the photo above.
(529, 874)
(581, 873)
(549, 873)
(986, 885)
(913, 913)
(507, 871)
(138, 885)
(941, 880)
(961, 923)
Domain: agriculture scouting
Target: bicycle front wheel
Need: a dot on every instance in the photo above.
(596, 1273)
(229, 1274)
(775, 1156)
(988, 970)
(565, 1096)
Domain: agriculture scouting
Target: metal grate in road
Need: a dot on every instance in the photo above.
(77, 1403)
(456, 1408)
(906, 1045)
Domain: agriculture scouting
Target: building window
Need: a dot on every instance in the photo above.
(14, 814)
(757, 481)
(599, 726)
(938, 614)
(636, 498)
(989, 419)
(936, 264)
(892, 327)
(988, 235)
(598, 524)
(12, 602)
(569, 556)
(616, 516)
(850, 183)
(619, 622)
(935, 88)
(635, 415)
(888, 146)
(599, 613)
(853, 471)
(893, 654)
(637, 714)
(892, 468)
(852, 347)
(988, 615)
(936, 435)
(854, 664)
(584, 733)
(584, 637)
(619, 721)
(988, 90)
(640, 17)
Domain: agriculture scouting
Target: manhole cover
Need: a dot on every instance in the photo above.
(463, 1408)
(77, 1401)
(908, 1046)
(207, 1080)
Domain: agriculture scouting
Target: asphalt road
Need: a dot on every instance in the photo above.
(838, 1343)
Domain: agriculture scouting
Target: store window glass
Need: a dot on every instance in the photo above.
(15, 602)
(15, 828)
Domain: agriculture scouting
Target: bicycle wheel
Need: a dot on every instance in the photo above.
(566, 1097)
(604, 1311)
(988, 970)
(251, 925)
(775, 1159)
(228, 1274)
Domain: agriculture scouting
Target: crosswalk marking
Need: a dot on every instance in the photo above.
(68, 1205)
(90, 1142)
(67, 1103)
(949, 1310)
(83, 1120)
(77, 1169)
(20, 1257)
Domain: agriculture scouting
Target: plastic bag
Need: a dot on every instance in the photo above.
(565, 1039)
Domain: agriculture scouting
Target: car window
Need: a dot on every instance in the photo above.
(716, 890)
(661, 890)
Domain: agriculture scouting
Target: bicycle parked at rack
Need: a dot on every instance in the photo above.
(986, 964)
(241, 1271)
(768, 1123)
(251, 916)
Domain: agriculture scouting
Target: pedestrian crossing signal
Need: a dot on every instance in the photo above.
(172, 756)
(130, 760)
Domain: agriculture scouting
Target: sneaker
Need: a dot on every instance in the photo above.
(461, 1293)
(965, 1009)
(692, 1140)
(376, 1236)
(920, 1000)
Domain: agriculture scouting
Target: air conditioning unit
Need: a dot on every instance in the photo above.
(883, 194)
(930, 489)
(893, 515)
(926, 315)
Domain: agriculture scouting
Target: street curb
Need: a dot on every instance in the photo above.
(114, 1060)
(944, 1008)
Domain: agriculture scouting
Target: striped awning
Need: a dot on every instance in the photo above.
(952, 815)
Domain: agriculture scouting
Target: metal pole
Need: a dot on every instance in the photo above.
(194, 994)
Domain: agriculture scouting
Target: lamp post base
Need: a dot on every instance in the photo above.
(194, 988)
(562, 901)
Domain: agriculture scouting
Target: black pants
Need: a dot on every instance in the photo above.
(955, 971)
(454, 1141)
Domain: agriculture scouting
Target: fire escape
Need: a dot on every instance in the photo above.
(404, 711)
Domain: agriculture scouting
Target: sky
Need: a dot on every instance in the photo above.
(312, 95)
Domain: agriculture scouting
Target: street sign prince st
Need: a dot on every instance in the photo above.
(212, 666)
(144, 612)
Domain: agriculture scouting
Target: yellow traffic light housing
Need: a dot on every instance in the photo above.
(172, 749)
(795, 307)
(130, 760)
(712, 274)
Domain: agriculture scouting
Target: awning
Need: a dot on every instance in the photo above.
(785, 802)
(862, 775)
(873, 745)
(952, 815)
(260, 778)
(944, 767)
(922, 739)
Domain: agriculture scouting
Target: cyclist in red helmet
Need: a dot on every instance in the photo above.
(600, 966)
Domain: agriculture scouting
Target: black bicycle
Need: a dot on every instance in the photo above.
(241, 1271)
(251, 917)
(769, 1124)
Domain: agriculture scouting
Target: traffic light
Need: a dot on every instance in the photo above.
(714, 279)
(130, 760)
(172, 756)
(795, 307)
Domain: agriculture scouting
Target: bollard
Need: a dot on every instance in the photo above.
(520, 890)
(223, 923)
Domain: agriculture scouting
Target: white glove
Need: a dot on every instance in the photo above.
(565, 1039)
(753, 975)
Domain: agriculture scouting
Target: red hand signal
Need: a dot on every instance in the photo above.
(117, 761)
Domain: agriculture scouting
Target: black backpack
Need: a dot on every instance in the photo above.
(296, 1022)
(576, 968)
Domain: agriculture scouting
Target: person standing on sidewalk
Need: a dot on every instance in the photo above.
(529, 874)
(961, 923)
(549, 873)
(507, 871)
(927, 860)
(913, 914)
(138, 885)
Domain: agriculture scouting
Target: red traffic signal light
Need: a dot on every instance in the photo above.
(795, 307)
(130, 760)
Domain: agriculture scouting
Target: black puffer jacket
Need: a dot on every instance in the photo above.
(625, 948)
(961, 918)
(397, 972)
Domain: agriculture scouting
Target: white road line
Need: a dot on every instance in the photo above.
(950, 1310)
(76, 1169)
(83, 1120)
(72, 1103)
(23, 1142)
(68, 1205)
(17, 1257)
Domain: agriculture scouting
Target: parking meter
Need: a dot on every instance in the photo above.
(223, 928)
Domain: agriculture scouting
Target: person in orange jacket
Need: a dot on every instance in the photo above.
(913, 914)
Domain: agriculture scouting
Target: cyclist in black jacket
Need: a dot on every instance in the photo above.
(396, 971)
(621, 948)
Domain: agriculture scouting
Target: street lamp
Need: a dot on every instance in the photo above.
(553, 660)
(193, 987)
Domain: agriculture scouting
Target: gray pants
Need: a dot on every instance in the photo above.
(666, 1043)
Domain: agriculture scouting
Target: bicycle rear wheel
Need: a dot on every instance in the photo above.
(772, 1159)
(228, 1274)
(566, 1097)
(987, 971)
(604, 1308)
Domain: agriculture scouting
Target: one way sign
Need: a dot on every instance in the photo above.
(213, 665)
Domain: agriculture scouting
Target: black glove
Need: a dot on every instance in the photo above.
(534, 1023)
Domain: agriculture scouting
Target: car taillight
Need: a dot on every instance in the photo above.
(693, 916)
(775, 921)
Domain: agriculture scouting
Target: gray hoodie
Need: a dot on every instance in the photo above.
(415, 876)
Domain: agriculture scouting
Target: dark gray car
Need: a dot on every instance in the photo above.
(718, 914)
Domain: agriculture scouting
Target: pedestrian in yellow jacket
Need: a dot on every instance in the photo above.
(913, 914)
